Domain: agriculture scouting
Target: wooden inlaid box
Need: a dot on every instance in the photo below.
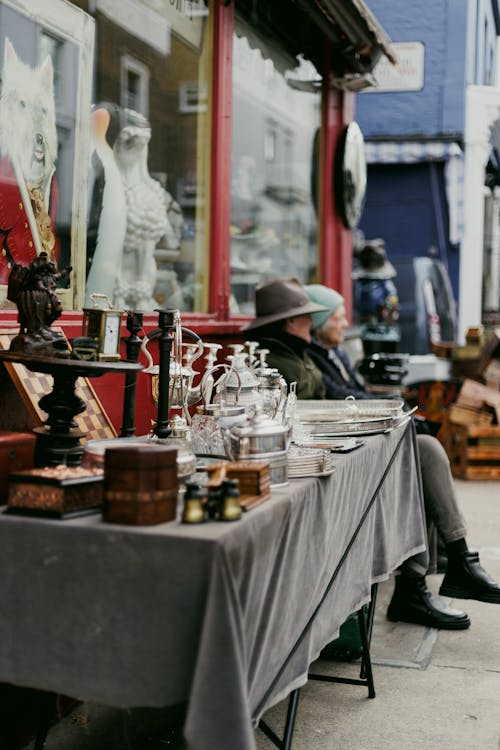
(141, 485)
(253, 480)
(56, 491)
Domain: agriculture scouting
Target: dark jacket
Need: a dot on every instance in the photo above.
(339, 378)
(288, 354)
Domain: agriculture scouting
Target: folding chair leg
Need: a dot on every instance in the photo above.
(291, 714)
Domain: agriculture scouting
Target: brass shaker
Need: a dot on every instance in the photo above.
(194, 503)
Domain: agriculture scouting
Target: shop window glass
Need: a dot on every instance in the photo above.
(147, 194)
(115, 185)
(135, 85)
(276, 115)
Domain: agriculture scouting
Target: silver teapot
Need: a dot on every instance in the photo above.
(260, 438)
(239, 385)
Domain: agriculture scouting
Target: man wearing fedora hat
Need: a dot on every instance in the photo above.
(282, 326)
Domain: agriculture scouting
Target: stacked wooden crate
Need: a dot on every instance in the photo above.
(474, 452)
(471, 434)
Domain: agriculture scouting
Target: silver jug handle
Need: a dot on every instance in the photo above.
(144, 350)
(207, 380)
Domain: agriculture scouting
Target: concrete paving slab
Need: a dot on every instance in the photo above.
(452, 709)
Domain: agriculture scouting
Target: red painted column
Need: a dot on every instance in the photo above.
(220, 179)
(335, 240)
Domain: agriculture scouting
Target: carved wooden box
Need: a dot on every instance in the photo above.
(56, 491)
(140, 485)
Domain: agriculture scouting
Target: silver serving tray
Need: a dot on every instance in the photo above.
(310, 430)
(344, 426)
(330, 409)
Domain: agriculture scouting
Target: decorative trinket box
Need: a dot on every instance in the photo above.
(55, 491)
(140, 485)
(253, 477)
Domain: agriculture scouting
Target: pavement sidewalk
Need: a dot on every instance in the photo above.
(436, 690)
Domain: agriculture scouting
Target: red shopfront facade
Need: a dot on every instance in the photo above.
(219, 167)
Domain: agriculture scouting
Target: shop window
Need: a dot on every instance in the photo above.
(273, 220)
(192, 98)
(148, 228)
(270, 145)
(135, 85)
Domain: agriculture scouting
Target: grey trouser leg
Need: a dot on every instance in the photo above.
(440, 501)
(441, 507)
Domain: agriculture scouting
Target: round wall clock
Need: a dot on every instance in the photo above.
(350, 175)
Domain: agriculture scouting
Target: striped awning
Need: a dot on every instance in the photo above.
(412, 152)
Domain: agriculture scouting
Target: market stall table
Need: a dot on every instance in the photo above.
(226, 616)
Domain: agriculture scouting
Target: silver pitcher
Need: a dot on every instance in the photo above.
(271, 386)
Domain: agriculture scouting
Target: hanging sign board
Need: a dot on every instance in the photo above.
(407, 75)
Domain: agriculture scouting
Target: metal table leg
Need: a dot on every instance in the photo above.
(365, 622)
(286, 742)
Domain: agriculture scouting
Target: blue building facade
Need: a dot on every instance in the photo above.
(416, 125)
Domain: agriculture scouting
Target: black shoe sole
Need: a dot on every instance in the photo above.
(479, 596)
(459, 624)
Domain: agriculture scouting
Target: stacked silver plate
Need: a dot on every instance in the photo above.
(328, 418)
(309, 462)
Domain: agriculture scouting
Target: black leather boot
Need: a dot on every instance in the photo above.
(442, 555)
(413, 602)
(466, 579)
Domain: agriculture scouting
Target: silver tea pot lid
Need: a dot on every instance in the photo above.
(258, 424)
(222, 410)
(269, 376)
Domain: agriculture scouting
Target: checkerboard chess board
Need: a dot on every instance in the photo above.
(93, 422)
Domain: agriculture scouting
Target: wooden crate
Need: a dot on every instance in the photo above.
(473, 452)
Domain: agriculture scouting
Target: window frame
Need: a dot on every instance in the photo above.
(130, 64)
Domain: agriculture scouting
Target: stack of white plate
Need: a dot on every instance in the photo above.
(308, 462)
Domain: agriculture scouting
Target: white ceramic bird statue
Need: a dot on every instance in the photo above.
(147, 219)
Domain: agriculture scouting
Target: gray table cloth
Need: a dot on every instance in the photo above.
(226, 616)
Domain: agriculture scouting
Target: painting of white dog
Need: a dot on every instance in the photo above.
(28, 154)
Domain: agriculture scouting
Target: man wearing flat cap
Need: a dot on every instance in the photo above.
(282, 325)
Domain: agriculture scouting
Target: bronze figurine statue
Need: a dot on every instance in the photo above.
(33, 290)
